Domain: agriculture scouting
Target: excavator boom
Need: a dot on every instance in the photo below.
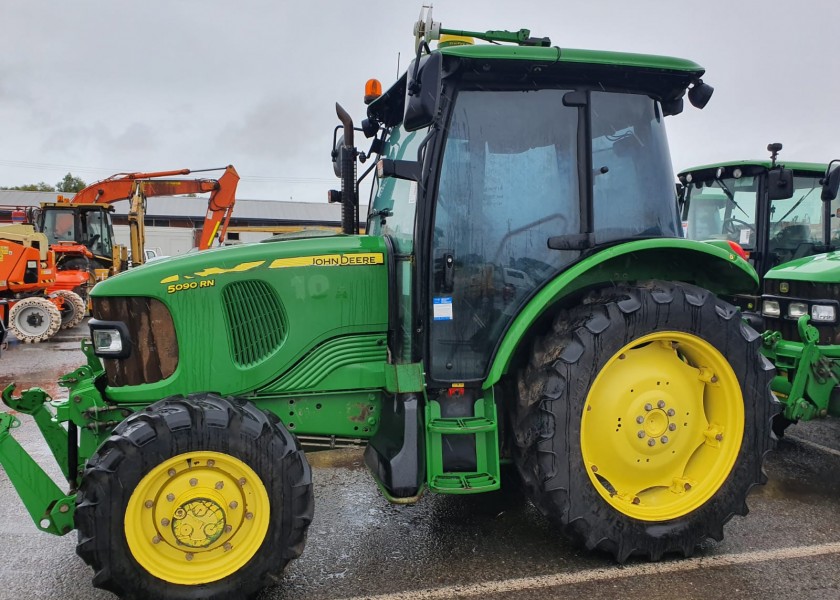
(136, 187)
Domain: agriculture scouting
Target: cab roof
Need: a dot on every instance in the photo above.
(817, 168)
(573, 55)
(662, 77)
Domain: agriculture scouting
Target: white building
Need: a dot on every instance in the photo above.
(173, 223)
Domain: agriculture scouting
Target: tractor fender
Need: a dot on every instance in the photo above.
(716, 269)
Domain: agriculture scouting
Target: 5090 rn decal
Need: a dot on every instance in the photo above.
(190, 285)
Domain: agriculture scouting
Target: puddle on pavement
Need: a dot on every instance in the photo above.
(346, 458)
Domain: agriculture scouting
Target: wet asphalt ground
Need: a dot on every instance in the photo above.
(487, 546)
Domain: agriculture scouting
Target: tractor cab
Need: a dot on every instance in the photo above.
(75, 230)
(773, 213)
(542, 162)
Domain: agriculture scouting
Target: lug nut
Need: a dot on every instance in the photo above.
(211, 463)
(193, 482)
(241, 481)
(672, 427)
(164, 522)
(719, 437)
(170, 497)
(228, 529)
(594, 469)
(156, 539)
(171, 472)
(233, 504)
(714, 379)
(641, 434)
(661, 404)
(651, 442)
(63, 508)
(648, 407)
(148, 504)
(188, 556)
(640, 419)
(671, 412)
(687, 486)
(249, 515)
(664, 439)
(227, 546)
(220, 485)
(636, 500)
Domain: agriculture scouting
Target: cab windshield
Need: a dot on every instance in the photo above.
(60, 225)
(725, 209)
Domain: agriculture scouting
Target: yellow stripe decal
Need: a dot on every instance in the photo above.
(237, 269)
(330, 260)
(216, 271)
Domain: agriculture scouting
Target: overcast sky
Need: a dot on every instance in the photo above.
(100, 87)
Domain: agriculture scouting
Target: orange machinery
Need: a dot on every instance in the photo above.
(27, 270)
(80, 228)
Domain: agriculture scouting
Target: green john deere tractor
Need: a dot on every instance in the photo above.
(785, 218)
(523, 295)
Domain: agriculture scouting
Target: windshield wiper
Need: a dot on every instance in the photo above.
(730, 196)
(794, 207)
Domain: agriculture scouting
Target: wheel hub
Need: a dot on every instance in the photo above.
(656, 423)
(198, 523)
(34, 319)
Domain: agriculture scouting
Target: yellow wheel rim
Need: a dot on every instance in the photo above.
(197, 518)
(662, 426)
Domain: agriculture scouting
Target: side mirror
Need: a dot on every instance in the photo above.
(423, 92)
(779, 184)
(831, 182)
(336, 154)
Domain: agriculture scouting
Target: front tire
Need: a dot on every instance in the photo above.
(198, 497)
(34, 319)
(643, 419)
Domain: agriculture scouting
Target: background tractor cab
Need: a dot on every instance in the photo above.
(771, 213)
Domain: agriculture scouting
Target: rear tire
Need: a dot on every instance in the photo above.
(659, 453)
(34, 319)
(198, 497)
(74, 309)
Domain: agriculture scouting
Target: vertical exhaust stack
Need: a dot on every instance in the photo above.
(347, 161)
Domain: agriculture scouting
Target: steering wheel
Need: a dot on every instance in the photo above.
(730, 229)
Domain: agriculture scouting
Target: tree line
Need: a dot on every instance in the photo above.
(70, 184)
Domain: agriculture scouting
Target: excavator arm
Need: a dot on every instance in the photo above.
(137, 187)
(219, 209)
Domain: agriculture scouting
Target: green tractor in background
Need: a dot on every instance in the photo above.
(786, 220)
(523, 295)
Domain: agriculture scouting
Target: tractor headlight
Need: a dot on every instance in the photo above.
(770, 308)
(107, 340)
(823, 313)
(797, 309)
(110, 338)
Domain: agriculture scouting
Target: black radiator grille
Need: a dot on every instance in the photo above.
(256, 321)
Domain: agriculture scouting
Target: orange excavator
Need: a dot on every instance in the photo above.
(80, 229)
